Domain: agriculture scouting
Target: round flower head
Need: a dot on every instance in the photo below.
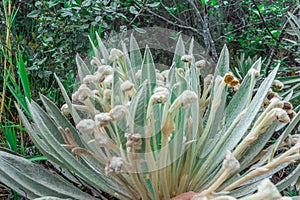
(234, 82)
(83, 93)
(186, 58)
(228, 78)
(187, 98)
(102, 119)
(200, 64)
(118, 112)
(86, 126)
(230, 162)
(126, 86)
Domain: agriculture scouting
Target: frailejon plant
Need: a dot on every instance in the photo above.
(144, 134)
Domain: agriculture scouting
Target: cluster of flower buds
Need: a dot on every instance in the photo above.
(114, 165)
(283, 109)
(134, 141)
(103, 72)
(86, 126)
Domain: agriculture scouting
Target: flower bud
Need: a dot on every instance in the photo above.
(271, 94)
(187, 98)
(200, 64)
(118, 112)
(180, 71)
(106, 70)
(102, 119)
(114, 165)
(277, 103)
(254, 71)
(88, 79)
(86, 126)
(108, 81)
(278, 85)
(230, 162)
(98, 77)
(234, 83)
(160, 97)
(291, 113)
(287, 105)
(115, 54)
(95, 62)
(208, 79)
(161, 89)
(268, 190)
(134, 140)
(65, 109)
(126, 86)
(186, 58)
(83, 92)
(281, 115)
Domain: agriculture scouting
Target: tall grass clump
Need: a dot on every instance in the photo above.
(140, 133)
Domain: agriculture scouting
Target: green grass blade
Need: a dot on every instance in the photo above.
(23, 75)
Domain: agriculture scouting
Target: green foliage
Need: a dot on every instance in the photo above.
(133, 140)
